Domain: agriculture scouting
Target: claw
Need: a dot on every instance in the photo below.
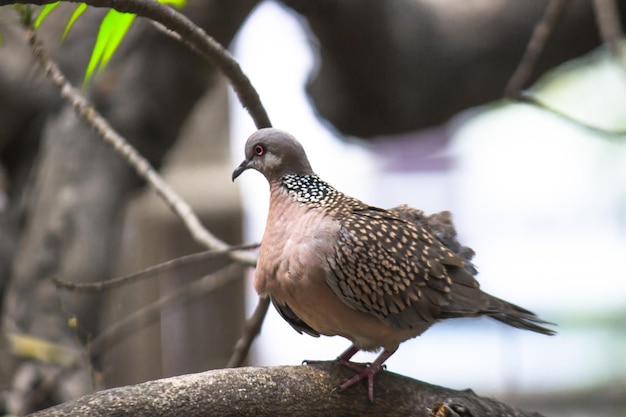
(366, 372)
(362, 372)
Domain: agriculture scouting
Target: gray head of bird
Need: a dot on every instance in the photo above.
(274, 153)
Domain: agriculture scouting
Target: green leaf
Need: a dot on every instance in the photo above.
(77, 13)
(44, 13)
(121, 26)
(175, 3)
(112, 30)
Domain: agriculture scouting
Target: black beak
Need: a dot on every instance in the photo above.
(241, 168)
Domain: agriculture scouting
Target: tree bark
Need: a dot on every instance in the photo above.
(282, 390)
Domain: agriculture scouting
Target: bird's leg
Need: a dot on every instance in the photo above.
(366, 372)
(344, 359)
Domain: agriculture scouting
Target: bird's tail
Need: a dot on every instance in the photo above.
(517, 316)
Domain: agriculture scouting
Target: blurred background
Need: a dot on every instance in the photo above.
(395, 102)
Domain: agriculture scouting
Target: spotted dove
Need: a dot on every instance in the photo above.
(333, 265)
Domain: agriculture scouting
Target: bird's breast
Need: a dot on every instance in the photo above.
(293, 246)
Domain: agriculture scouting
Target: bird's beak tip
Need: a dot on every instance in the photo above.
(241, 168)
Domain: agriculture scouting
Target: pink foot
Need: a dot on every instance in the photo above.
(362, 372)
(365, 372)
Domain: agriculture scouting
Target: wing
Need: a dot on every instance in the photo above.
(396, 269)
(290, 317)
(441, 226)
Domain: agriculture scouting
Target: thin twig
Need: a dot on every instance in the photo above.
(151, 271)
(193, 36)
(529, 98)
(146, 315)
(142, 167)
(251, 329)
(535, 46)
(607, 19)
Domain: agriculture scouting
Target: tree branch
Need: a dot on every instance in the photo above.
(250, 331)
(147, 314)
(607, 18)
(536, 45)
(283, 390)
(150, 271)
(193, 36)
(532, 99)
(142, 167)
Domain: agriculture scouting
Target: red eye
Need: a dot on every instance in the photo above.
(259, 150)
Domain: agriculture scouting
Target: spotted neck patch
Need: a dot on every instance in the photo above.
(310, 190)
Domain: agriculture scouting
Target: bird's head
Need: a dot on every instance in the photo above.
(274, 153)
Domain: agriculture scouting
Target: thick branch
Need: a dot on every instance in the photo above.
(283, 390)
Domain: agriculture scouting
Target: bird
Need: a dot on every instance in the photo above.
(333, 265)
